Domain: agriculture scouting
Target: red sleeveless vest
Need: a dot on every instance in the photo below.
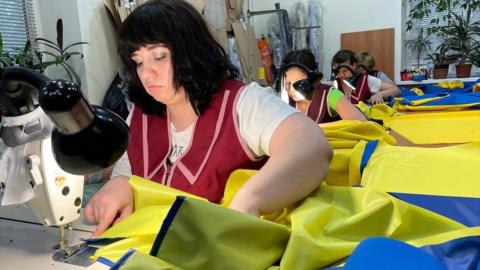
(318, 109)
(216, 147)
(362, 91)
(374, 72)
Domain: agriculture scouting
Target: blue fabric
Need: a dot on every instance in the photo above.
(105, 261)
(166, 224)
(386, 253)
(461, 209)
(449, 98)
(458, 254)
(122, 260)
(435, 90)
(367, 153)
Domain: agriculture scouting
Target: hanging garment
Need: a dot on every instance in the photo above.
(438, 127)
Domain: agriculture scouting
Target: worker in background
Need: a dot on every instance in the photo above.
(357, 86)
(193, 122)
(366, 65)
(319, 101)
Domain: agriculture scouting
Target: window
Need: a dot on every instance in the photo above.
(410, 57)
(17, 22)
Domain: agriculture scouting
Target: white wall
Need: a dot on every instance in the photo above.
(344, 16)
(101, 57)
(83, 20)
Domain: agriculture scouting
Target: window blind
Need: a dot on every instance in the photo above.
(17, 22)
(425, 23)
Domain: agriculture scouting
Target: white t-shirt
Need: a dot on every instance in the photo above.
(259, 112)
(382, 76)
(372, 81)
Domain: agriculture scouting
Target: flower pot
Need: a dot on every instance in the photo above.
(463, 70)
(441, 66)
(440, 73)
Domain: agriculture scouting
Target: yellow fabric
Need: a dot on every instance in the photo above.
(476, 87)
(235, 181)
(451, 85)
(152, 202)
(325, 229)
(204, 235)
(417, 91)
(140, 261)
(355, 131)
(429, 171)
(377, 111)
(403, 107)
(347, 139)
(438, 127)
(328, 225)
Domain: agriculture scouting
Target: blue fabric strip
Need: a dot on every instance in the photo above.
(367, 153)
(458, 254)
(105, 261)
(166, 224)
(122, 260)
(461, 209)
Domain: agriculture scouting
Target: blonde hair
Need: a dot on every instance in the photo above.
(366, 59)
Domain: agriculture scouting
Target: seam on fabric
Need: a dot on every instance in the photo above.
(167, 222)
(367, 153)
(122, 259)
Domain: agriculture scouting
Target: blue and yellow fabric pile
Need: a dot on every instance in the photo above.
(454, 95)
(425, 196)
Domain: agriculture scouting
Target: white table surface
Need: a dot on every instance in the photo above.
(26, 245)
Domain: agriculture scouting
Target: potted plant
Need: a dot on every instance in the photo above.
(462, 36)
(440, 59)
(32, 58)
(419, 44)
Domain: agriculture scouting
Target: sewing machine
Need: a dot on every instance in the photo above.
(54, 137)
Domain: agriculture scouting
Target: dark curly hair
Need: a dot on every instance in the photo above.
(199, 62)
(344, 56)
(304, 57)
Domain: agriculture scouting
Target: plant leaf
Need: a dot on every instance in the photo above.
(74, 44)
(51, 46)
(60, 34)
(71, 73)
(47, 41)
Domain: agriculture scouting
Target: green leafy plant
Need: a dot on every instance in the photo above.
(5, 58)
(30, 57)
(463, 34)
(419, 44)
(423, 8)
(475, 56)
(61, 54)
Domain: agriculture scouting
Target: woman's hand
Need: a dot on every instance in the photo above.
(112, 203)
(376, 99)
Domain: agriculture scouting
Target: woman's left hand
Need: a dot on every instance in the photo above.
(376, 99)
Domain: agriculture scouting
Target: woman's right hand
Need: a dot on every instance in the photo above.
(112, 203)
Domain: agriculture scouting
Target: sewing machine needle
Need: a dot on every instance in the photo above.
(63, 240)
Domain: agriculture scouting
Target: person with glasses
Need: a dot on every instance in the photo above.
(321, 102)
(356, 85)
(193, 122)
